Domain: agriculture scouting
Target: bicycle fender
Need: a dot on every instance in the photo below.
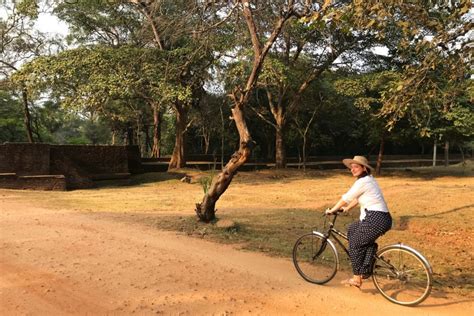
(331, 244)
(408, 248)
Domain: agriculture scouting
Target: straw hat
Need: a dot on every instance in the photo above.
(360, 160)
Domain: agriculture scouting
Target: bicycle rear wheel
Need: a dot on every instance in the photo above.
(402, 275)
(315, 258)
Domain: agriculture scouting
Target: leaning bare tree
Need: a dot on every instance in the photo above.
(261, 45)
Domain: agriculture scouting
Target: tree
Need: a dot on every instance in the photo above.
(240, 94)
(178, 25)
(116, 83)
(433, 57)
(433, 87)
(303, 125)
(114, 24)
(306, 49)
(453, 122)
(367, 91)
(427, 42)
(207, 121)
(108, 23)
(20, 43)
(11, 127)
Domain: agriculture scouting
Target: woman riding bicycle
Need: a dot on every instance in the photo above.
(374, 220)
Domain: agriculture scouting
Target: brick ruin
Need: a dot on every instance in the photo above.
(64, 167)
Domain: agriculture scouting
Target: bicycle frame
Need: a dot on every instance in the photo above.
(332, 232)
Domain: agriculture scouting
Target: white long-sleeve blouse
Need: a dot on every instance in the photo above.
(367, 191)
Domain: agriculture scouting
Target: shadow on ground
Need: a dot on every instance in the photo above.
(404, 220)
(431, 173)
(139, 179)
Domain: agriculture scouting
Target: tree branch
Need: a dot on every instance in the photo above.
(259, 52)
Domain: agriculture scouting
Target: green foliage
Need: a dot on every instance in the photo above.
(168, 139)
(101, 21)
(367, 89)
(116, 73)
(206, 182)
(275, 69)
(462, 118)
(432, 59)
(11, 119)
(27, 8)
(51, 123)
(365, 92)
(106, 80)
(61, 126)
(433, 96)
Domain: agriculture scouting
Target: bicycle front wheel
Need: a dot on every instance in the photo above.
(315, 258)
(402, 275)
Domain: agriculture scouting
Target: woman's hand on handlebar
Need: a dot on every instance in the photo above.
(336, 208)
(329, 211)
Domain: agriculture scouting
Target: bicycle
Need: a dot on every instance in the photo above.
(400, 273)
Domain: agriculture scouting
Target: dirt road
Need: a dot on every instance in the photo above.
(64, 262)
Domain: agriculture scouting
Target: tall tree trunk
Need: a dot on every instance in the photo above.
(206, 136)
(36, 131)
(434, 151)
(280, 150)
(463, 158)
(129, 137)
(222, 136)
(155, 151)
(446, 153)
(280, 120)
(304, 151)
(277, 109)
(206, 209)
(148, 146)
(378, 166)
(177, 159)
(27, 116)
(304, 134)
(138, 134)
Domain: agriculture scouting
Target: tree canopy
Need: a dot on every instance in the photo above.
(270, 78)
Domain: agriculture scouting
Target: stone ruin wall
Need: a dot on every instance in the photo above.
(57, 167)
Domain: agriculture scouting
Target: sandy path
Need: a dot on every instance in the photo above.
(62, 262)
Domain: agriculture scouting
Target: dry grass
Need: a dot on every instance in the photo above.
(432, 210)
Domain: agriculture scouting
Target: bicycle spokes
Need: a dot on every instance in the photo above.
(315, 258)
(402, 276)
(322, 246)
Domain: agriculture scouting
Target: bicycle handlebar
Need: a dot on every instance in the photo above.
(335, 213)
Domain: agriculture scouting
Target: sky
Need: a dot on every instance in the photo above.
(51, 24)
(46, 22)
